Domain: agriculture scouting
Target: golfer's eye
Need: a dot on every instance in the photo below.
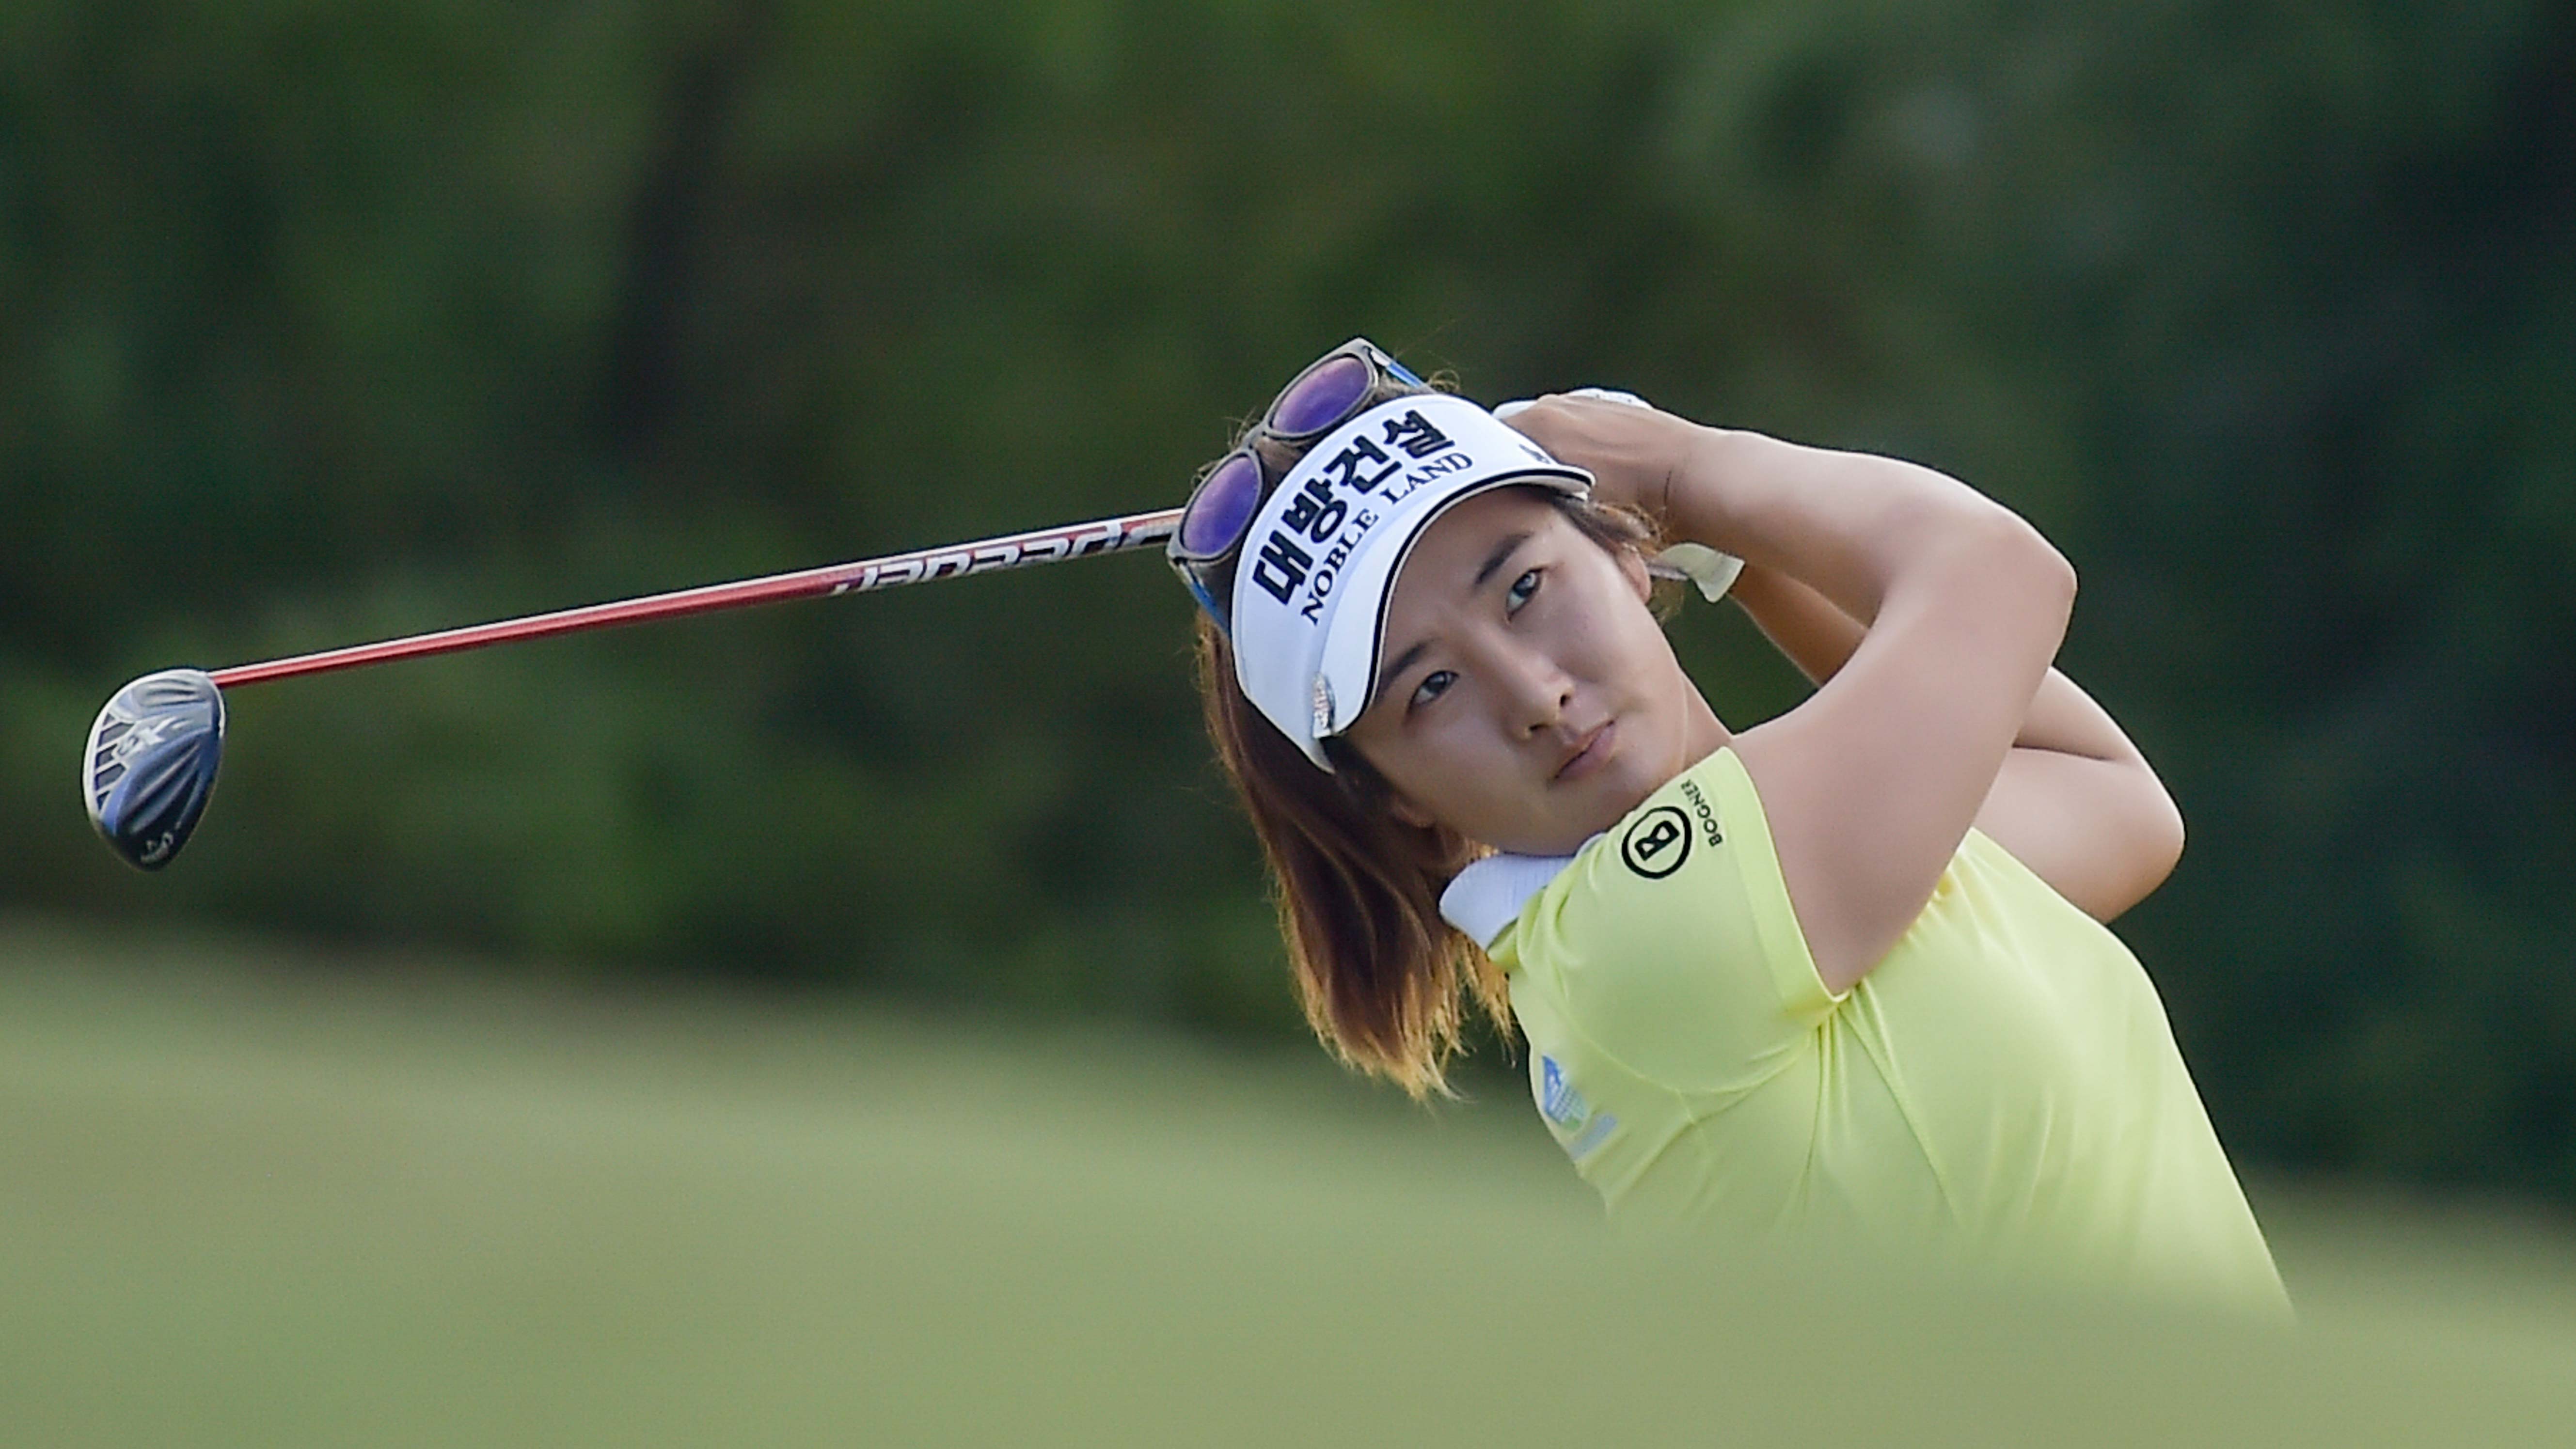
(1521, 590)
(1433, 685)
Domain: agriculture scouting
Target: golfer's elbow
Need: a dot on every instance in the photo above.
(1997, 558)
(2152, 840)
(2038, 567)
(2161, 838)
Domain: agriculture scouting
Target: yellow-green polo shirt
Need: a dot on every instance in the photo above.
(2002, 1089)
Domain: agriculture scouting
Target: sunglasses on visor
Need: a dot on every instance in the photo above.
(1330, 392)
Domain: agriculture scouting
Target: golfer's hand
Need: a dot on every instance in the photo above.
(1633, 450)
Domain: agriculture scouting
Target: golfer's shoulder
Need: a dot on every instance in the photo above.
(1676, 910)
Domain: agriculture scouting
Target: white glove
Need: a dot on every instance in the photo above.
(1599, 394)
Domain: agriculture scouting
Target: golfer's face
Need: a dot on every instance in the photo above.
(1528, 699)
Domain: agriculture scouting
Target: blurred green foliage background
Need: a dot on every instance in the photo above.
(324, 320)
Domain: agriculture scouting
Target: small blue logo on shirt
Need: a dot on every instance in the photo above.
(1576, 1125)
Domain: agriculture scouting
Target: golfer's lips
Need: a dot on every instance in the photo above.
(1589, 750)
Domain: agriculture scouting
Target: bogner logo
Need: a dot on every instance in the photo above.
(1657, 842)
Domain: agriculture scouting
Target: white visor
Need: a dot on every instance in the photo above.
(1318, 564)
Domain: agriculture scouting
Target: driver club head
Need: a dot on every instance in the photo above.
(150, 766)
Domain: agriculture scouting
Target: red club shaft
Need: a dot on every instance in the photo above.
(1018, 550)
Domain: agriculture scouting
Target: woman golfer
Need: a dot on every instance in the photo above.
(1841, 975)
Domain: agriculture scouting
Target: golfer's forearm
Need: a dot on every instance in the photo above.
(1819, 637)
(2063, 718)
(1855, 527)
(1804, 625)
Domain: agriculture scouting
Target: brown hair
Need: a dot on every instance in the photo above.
(1385, 981)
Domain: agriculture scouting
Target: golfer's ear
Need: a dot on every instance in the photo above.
(1632, 564)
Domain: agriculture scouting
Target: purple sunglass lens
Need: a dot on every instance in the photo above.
(1222, 507)
(1322, 397)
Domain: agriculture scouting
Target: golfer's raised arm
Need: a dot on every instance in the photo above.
(1871, 784)
(2075, 800)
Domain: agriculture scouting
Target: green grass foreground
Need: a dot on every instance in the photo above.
(245, 1200)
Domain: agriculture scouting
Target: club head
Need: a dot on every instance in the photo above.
(150, 767)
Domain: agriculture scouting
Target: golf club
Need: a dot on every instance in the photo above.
(150, 766)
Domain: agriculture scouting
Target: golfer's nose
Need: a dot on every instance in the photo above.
(1535, 692)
